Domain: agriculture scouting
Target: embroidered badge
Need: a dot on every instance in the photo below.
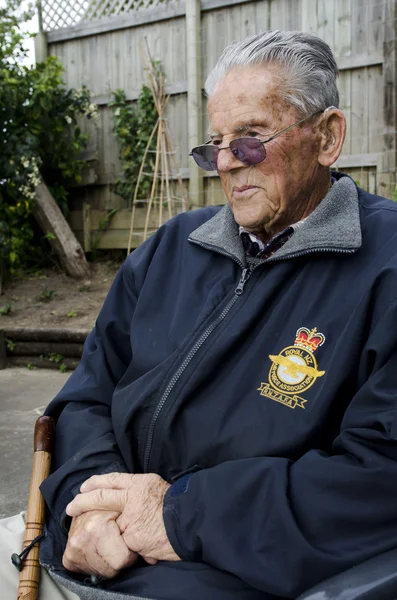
(294, 370)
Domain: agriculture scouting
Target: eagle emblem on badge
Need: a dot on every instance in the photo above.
(294, 370)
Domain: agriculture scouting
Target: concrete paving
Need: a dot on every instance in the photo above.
(23, 396)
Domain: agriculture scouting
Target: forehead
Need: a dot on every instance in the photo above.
(245, 95)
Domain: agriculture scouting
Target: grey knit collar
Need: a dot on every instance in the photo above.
(334, 226)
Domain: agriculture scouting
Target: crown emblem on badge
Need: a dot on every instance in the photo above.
(309, 339)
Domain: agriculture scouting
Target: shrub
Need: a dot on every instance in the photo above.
(40, 137)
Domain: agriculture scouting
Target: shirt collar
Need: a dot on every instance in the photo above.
(254, 246)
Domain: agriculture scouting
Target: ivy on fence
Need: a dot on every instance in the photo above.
(133, 124)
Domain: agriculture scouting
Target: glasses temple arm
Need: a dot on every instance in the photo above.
(291, 126)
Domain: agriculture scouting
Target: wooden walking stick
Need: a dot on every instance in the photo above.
(28, 561)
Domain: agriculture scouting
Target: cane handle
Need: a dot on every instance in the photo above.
(43, 435)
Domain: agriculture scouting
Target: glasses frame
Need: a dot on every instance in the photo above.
(263, 142)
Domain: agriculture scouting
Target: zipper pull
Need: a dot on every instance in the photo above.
(243, 280)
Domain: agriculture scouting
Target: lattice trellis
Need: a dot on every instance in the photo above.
(65, 13)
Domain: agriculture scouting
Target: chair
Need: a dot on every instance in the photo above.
(374, 579)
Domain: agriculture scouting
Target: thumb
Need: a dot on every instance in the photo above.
(100, 499)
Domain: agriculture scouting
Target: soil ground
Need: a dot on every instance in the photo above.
(51, 299)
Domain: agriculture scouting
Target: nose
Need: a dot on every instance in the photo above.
(227, 161)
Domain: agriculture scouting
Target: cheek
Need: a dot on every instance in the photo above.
(288, 163)
(226, 183)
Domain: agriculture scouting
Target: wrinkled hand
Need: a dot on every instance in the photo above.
(95, 545)
(139, 499)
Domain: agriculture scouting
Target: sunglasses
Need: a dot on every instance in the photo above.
(250, 151)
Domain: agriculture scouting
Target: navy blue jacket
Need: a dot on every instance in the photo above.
(266, 392)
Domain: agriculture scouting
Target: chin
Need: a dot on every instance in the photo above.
(248, 220)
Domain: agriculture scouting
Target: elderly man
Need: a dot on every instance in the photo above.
(231, 430)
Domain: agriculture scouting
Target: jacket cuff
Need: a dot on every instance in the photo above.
(172, 507)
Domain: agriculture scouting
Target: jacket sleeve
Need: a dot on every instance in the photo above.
(283, 526)
(85, 443)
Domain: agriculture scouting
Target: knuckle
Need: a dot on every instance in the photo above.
(69, 559)
(91, 527)
(74, 543)
(113, 477)
(120, 559)
(100, 496)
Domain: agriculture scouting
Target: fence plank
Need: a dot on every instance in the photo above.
(326, 21)
(343, 28)
(359, 116)
(194, 105)
(309, 16)
(387, 178)
(345, 80)
(360, 20)
(374, 115)
(376, 26)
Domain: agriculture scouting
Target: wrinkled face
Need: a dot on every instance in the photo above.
(272, 194)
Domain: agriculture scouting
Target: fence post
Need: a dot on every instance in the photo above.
(3, 357)
(194, 97)
(40, 40)
(87, 226)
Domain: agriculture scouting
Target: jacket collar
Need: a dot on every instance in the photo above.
(334, 226)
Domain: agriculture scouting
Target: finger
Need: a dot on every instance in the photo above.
(116, 481)
(114, 551)
(78, 561)
(72, 565)
(150, 561)
(100, 499)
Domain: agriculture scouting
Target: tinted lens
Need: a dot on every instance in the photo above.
(249, 150)
(206, 157)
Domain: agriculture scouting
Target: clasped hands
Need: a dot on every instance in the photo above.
(116, 518)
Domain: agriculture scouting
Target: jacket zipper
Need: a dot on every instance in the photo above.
(246, 273)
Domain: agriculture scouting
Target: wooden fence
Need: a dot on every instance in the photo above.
(188, 38)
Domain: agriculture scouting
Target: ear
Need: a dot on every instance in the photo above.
(333, 131)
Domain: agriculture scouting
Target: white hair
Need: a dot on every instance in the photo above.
(309, 67)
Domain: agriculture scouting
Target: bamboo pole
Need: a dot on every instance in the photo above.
(179, 178)
(137, 185)
(167, 182)
(163, 160)
(160, 187)
(154, 185)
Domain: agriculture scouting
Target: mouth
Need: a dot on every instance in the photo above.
(244, 188)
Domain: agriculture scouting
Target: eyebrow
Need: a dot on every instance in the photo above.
(240, 128)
